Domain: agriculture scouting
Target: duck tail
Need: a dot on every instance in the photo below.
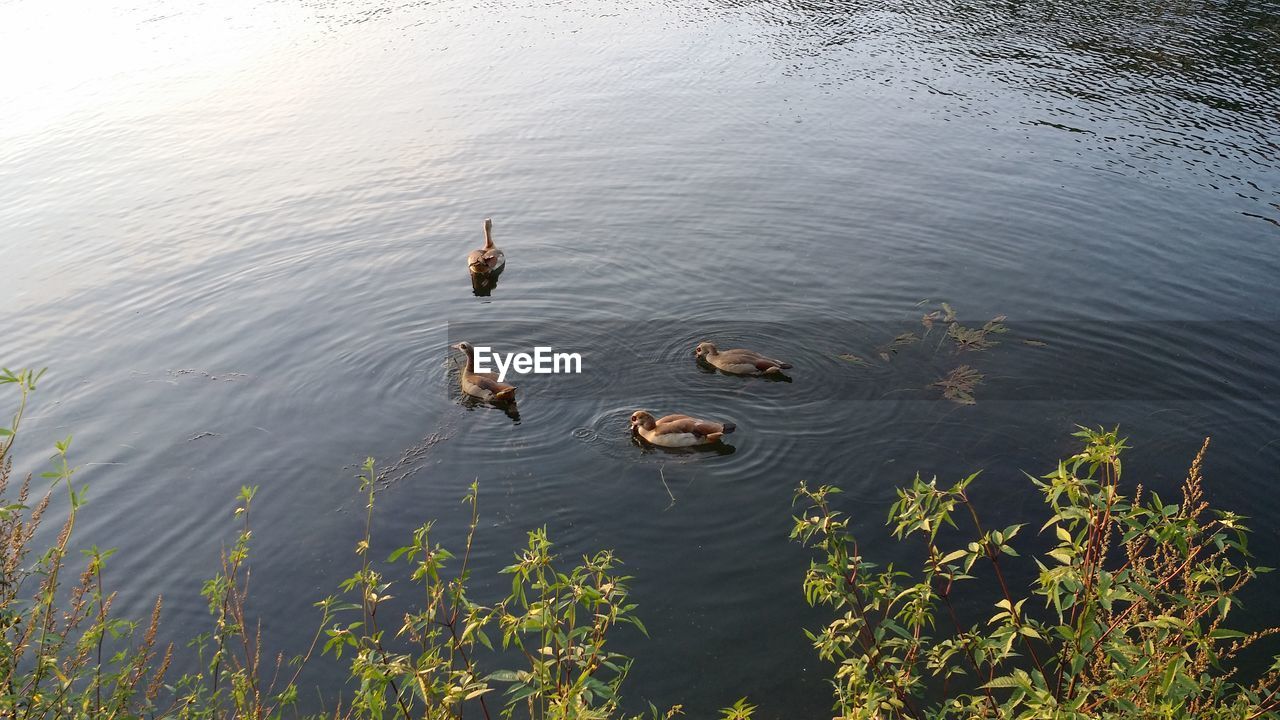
(507, 394)
(785, 366)
(728, 428)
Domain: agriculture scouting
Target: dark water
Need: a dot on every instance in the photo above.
(236, 233)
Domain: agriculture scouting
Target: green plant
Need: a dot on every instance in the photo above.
(558, 621)
(561, 622)
(435, 673)
(740, 710)
(232, 681)
(422, 664)
(52, 637)
(1128, 617)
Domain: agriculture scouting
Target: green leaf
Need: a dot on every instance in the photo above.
(1061, 555)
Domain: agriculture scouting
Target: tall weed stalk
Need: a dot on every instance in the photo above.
(1127, 616)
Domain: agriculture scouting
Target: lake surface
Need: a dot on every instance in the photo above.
(236, 233)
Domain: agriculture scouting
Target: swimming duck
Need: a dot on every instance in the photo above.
(678, 430)
(482, 385)
(488, 260)
(739, 362)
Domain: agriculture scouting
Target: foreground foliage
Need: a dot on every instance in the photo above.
(1127, 617)
(63, 655)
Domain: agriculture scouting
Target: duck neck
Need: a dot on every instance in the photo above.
(488, 235)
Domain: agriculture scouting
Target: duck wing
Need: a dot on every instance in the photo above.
(489, 381)
(493, 257)
(755, 359)
(686, 424)
(764, 363)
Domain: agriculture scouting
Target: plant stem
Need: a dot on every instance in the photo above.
(1004, 586)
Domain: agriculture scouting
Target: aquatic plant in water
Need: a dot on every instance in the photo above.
(976, 338)
(958, 385)
(887, 351)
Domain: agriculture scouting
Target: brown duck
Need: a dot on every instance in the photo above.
(678, 430)
(482, 385)
(739, 362)
(488, 260)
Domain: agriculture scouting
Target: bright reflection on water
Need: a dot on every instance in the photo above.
(236, 232)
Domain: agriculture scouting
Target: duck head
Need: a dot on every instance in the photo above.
(704, 349)
(464, 346)
(641, 419)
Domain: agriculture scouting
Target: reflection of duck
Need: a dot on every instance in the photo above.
(508, 408)
(488, 260)
(678, 430)
(739, 362)
(482, 284)
(484, 386)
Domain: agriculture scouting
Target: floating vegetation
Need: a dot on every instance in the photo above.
(958, 385)
(946, 315)
(225, 377)
(976, 338)
(886, 352)
(1034, 343)
(965, 338)
(409, 462)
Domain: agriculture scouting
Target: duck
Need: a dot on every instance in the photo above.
(739, 361)
(484, 386)
(488, 260)
(678, 430)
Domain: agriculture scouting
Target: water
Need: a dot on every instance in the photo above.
(237, 231)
